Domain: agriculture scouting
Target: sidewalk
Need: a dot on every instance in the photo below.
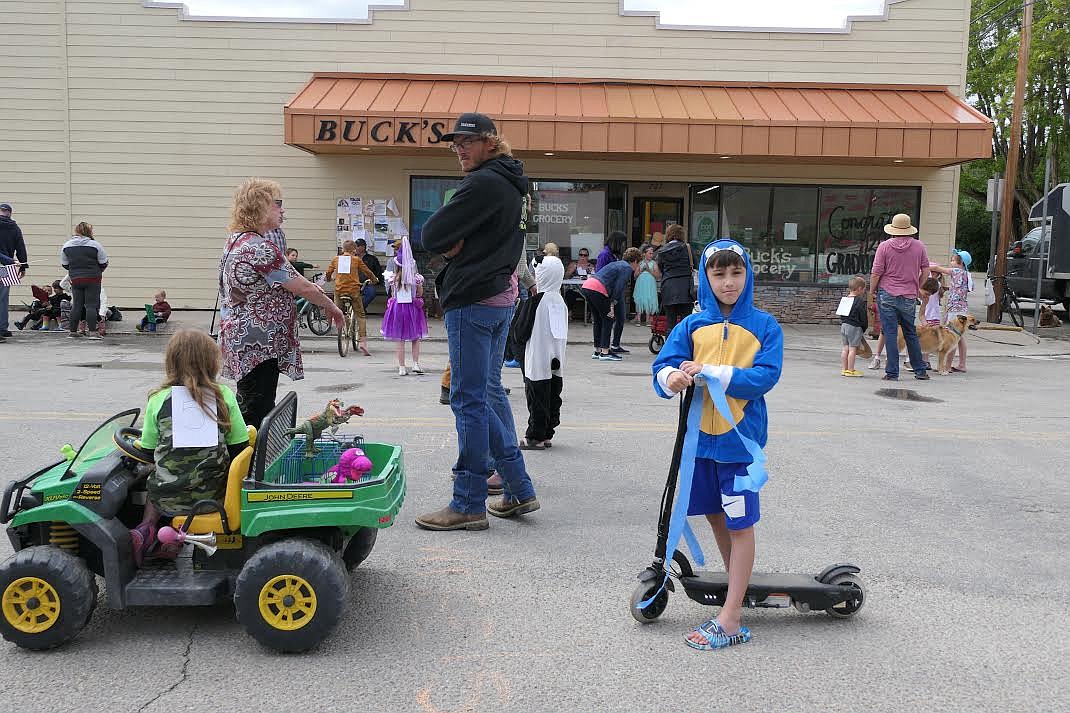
(797, 337)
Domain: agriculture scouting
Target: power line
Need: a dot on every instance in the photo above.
(995, 23)
(991, 10)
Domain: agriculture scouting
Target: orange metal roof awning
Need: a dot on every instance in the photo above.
(845, 123)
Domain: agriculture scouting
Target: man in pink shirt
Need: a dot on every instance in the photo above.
(899, 267)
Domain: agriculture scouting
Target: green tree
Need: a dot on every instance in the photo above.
(990, 74)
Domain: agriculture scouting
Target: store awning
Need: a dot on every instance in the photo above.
(828, 123)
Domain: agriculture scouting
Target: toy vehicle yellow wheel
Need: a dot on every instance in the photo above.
(289, 595)
(46, 597)
(287, 602)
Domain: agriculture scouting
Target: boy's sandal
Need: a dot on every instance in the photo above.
(526, 445)
(716, 637)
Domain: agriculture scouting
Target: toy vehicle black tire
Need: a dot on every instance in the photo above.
(852, 606)
(320, 570)
(359, 547)
(656, 343)
(69, 580)
(642, 592)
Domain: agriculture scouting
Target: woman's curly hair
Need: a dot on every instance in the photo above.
(252, 201)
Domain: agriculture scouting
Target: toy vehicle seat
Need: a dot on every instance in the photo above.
(212, 522)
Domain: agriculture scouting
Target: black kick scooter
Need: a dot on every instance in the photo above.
(836, 589)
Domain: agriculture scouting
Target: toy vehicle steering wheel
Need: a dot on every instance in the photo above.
(125, 440)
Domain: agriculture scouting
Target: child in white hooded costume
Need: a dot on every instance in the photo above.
(542, 327)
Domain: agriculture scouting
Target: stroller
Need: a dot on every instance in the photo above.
(659, 329)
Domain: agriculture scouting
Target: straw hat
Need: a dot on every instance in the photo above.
(900, 225)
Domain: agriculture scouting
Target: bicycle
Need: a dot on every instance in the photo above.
(313, 315)
(1010, 304)
(347, 333)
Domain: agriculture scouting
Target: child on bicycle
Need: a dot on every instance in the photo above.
(347, 283)
(742, 347)
(186, 475)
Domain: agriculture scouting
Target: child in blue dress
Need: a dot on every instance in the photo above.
(645, 293)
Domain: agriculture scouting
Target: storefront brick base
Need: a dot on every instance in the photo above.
(800, 305)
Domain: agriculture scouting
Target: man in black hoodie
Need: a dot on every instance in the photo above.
(12, 249)
(481, 232)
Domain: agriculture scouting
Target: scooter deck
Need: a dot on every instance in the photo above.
(710, 588)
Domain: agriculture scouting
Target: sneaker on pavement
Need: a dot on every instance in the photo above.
(512, 364)
(596, 355)
(94, 335)
(610, 357)
(619, 350)
(449, 519)
(444, 396)
(875, 363)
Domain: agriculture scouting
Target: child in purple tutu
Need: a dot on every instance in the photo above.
(404, 320)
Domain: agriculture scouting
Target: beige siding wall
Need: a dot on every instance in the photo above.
(166, 116)
(33, 131)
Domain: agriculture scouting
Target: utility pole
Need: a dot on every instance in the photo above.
(1006, 222)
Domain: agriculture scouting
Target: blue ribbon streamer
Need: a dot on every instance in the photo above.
(755, 478)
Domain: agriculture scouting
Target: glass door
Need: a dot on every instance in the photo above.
(651, 217)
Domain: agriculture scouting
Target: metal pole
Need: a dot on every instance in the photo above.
(995, 226)
(1006, 225)
(1040, 245)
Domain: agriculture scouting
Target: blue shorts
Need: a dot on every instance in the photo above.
(713, 492)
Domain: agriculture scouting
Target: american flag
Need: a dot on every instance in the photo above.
(9, 276)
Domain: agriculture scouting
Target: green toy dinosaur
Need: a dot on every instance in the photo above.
(332, 416)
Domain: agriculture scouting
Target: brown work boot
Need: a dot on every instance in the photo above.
(449, 519)
(507, 507)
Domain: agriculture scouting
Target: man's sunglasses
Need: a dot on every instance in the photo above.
(467, 143)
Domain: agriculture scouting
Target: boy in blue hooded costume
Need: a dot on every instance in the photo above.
(731, 342)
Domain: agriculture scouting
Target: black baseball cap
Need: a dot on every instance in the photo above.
(471, 124)
(5, 206)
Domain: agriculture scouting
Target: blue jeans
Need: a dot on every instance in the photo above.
(485, 429)
(898, 312)
(367, 294)
(5, 292)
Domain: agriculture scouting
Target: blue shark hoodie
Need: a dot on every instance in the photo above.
(749, 340)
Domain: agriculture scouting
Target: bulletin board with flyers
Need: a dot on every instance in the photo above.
(377, 220)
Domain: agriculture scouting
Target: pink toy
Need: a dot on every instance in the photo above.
(353, 465)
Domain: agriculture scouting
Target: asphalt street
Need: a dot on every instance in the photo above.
(955, 508)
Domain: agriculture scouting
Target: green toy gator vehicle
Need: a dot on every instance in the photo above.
(279, 545)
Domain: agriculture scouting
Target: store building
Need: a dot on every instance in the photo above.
(799, 144)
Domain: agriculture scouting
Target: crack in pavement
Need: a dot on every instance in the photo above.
(182, 677)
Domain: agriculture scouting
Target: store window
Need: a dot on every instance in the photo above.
(571, 214)
(778, 227)
(851, 225)
(426, 196)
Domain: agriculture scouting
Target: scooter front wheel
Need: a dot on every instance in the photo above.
(642, 592)
(847, 609)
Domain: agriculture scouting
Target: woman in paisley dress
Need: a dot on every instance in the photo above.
(257, 287)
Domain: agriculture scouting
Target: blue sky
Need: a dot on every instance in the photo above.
(725, 13)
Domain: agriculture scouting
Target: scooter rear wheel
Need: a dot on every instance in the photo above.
(652, 611)
(847, 609)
